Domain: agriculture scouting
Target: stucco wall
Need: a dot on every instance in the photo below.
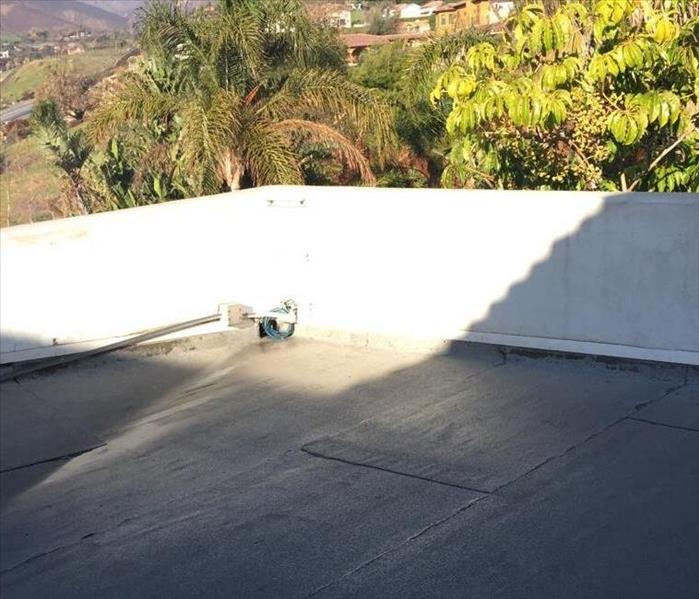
(609, 274)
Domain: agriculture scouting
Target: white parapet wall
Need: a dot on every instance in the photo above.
(608, 274)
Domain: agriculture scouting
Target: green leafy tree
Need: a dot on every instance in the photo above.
(587, 95)
(382, 67)
(405, 76)
(228, 98)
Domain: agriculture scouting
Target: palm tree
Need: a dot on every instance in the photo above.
(231, 95)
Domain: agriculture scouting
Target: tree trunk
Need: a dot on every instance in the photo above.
(234, 182)
(231, 170)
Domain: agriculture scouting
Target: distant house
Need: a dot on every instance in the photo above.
(428, 8)
(500, 10)
(414, 25)
(463, 15)
(342, 18)
(4, 60)
(417, 19)
(73, 48)
(334, 14)
(75, 35)
(357, 43)
(409, 11)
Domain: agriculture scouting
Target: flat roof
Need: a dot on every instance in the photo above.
(306, 468)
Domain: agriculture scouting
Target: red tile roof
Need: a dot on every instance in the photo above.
(364, 40)
(450, 7)
(361, 40)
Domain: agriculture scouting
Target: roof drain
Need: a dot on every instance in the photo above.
(14, 372)
(279, 323)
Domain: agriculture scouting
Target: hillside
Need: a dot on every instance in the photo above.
(31, 183)
(128, 8)
(19, 16)
(23, 81)
(125, 8)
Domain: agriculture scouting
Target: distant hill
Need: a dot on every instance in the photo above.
(127, 8)
(124, 8)
(19, 16)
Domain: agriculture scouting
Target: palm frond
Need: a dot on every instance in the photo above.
(210, 126)
(160, 24)
(137, 100)
(234, 43)
(289, 31)
(427, 60)
(328, 95)
(267, 154)
(178, 39)
(329, 137)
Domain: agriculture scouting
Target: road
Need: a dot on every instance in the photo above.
(20, 110)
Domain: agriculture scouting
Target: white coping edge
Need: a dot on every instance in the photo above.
(412, 344)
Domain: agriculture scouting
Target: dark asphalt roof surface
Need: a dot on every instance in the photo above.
(308, 469)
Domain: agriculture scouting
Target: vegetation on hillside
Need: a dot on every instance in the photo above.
(69, 149)
(22, 82)
(595, 94)
(71, 92)
(31, 189)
